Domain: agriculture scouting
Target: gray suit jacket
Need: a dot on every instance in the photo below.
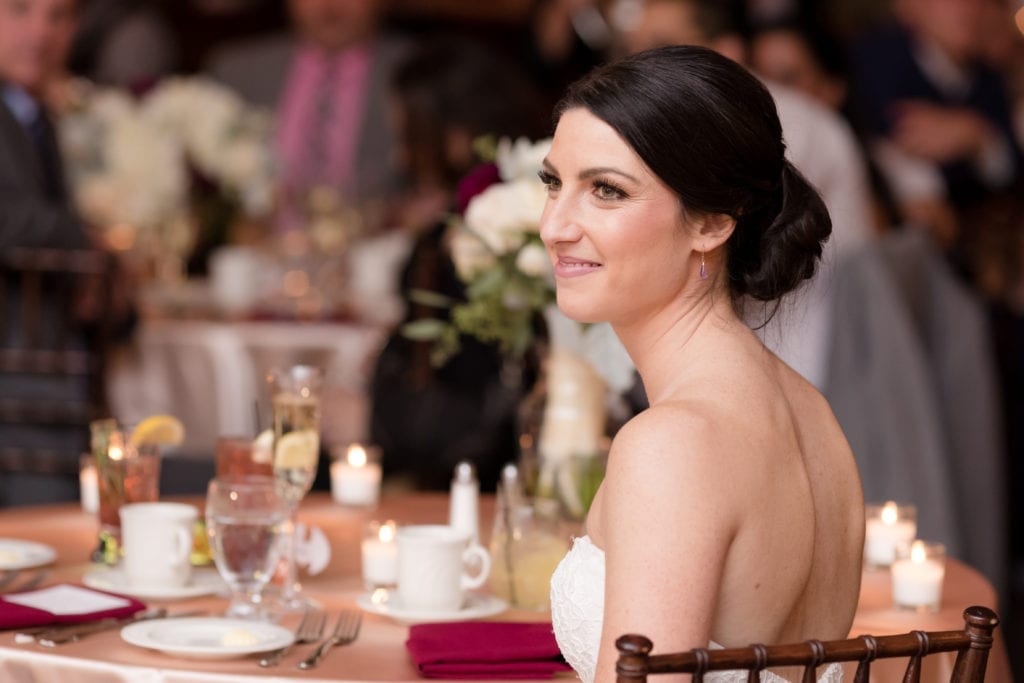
(28, 218)
(257, 70)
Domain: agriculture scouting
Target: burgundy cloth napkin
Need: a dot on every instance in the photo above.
(13, 615)
(485, 649)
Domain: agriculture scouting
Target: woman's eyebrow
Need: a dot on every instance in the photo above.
(599, 170)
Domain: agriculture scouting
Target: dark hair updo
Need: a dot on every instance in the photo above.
(709, 130)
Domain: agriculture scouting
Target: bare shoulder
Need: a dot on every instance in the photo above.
(665, 460)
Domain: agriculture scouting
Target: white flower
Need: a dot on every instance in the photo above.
(533, 260)
(502, 213)
(470, 255)
(522, 159)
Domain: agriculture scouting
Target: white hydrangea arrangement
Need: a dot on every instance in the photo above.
(497, 252)
(131, 161)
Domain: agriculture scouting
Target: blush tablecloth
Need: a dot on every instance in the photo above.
(379, 654)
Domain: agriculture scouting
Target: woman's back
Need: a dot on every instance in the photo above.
(779, 464)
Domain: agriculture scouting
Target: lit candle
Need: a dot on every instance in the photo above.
(917, 574)
(380, 556)
(355, 479)
(886, 526)
(88, 486)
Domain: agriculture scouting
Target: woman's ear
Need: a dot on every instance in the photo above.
(713, 230)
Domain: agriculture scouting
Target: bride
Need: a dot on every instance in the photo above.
(731, 512)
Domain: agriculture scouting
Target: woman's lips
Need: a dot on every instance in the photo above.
(574, 267)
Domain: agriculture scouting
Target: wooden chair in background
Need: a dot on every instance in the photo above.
(54, 331)
(972, 646)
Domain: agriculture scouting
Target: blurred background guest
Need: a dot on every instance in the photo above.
(939, 117)
(328, 82)
(45, 402)
(35, 36)
(126, 43)
(449, 94)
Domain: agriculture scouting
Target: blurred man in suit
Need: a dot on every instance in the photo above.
(35, 36)
(328, 82)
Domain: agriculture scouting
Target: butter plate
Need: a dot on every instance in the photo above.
(207, 637)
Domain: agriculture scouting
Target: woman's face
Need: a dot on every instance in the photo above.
(614, 231)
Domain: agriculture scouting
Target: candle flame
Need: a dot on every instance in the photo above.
(356, 456)
(387, 532)
(116, 453)
(917, 552)
(889, 513)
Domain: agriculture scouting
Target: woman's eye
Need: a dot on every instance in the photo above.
(606, 190)
(550, 181)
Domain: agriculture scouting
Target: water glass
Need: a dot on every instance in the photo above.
(245, 517)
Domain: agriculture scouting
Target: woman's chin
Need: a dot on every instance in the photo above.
(578, 311)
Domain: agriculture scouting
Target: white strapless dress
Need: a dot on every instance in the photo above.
(577, 611)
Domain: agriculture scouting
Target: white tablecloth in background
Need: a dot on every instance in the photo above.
(212, 374)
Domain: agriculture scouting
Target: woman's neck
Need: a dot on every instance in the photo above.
(669, 348)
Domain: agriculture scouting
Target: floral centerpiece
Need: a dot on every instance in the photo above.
(497, 252)
(134, 163)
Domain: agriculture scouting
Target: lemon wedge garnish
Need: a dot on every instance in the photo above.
(263, 446)
(163, 430)
(297, 449)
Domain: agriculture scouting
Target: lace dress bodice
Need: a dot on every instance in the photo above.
(577, 612)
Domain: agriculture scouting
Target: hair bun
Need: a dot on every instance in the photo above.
(789, 247)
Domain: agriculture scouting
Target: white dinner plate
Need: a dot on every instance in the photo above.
(389, 604)
(203, 582)
(17, 554)
(207, 637)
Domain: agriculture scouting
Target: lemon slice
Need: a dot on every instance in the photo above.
(263, 446)
(164, 430)
(297, 449)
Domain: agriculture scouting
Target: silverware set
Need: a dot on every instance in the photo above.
(346, 630)
(52, 636)
(311, 629)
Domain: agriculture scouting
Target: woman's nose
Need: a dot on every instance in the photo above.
(558, 222)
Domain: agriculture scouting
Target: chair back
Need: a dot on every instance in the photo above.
(972, 646)
(54, 312)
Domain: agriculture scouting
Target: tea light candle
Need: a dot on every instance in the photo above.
(88, 486)
(886, 526)
(917, 575)
(355, 479)
(380, 555)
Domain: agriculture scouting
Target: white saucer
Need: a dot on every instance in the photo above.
(207, 637)
(16, 554)
(389, 604)
(204, 582)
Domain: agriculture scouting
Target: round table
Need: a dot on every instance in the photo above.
(379, 653)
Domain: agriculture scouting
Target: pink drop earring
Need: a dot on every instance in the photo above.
(703, 269)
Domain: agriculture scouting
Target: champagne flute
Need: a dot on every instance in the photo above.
(295, 397)
(244, 517)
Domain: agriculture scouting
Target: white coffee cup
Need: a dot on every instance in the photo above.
(157, 543)
(432, 567)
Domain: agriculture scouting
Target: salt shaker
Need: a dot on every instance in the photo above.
(463, 506)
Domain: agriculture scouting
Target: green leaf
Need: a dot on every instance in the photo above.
(424, 330)
(425, 297)
(489, 281)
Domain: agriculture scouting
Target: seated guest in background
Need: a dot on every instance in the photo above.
(818, 142)
(328, 82)
(731, 511)
(448, 93)
(35, 213)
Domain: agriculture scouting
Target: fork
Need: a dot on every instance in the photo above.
(345, 631)
(310, 628)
